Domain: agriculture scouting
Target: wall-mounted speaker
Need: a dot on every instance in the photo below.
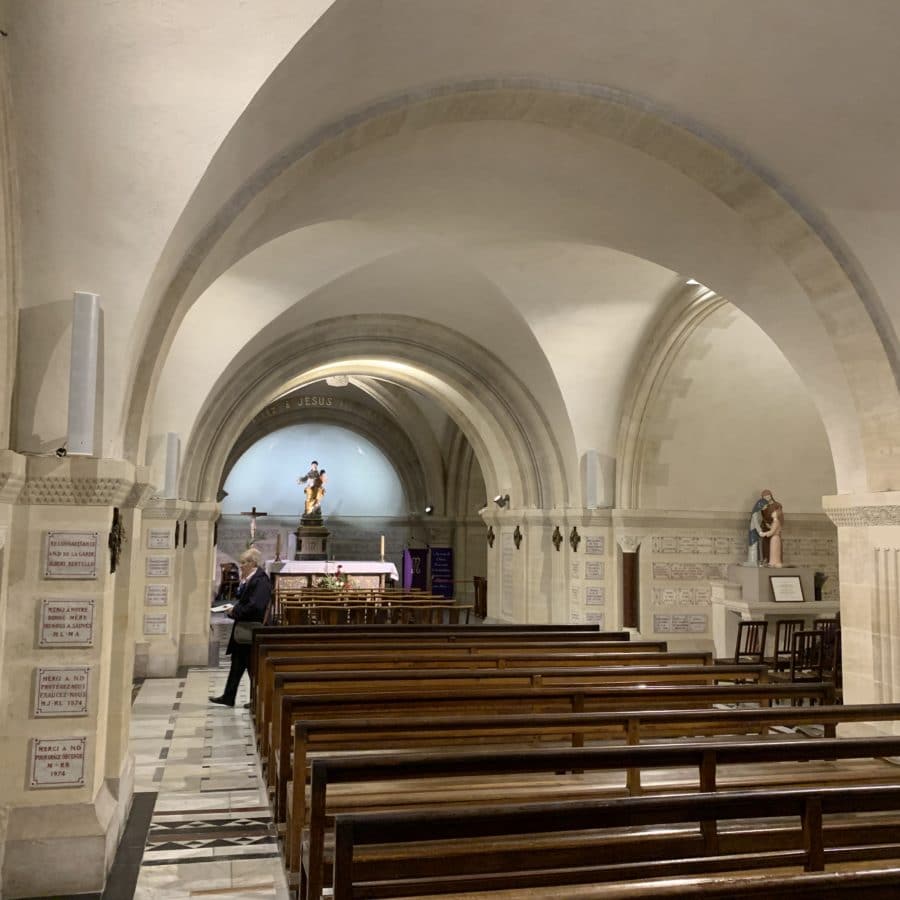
(83, 373)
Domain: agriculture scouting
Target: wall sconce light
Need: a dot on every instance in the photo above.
(429, 510)
(61, 451)
(502, 500)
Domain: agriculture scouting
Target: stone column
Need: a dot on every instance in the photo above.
(869, 548)
(65, 794)
(560, 571)
(197, 580)
(129, 568)
(155, 599)
(628, 543)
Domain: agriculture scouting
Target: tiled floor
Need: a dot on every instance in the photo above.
(211, 834)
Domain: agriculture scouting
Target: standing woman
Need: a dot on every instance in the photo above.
(773, 516)
(253, 595)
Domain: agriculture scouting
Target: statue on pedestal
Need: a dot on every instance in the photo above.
(773, 519)
(314, 480)
(755, 552)
(312, 535)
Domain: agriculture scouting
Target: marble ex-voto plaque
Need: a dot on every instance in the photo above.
(159, 538)
(159, 566)
(71, 554)
(156, 595)
(156, 623)
(61, 691)
(66, 622)
(57, 762)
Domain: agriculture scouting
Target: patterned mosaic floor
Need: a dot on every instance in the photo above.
(210, 832)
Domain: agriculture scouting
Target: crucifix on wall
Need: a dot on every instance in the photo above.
(254, 515)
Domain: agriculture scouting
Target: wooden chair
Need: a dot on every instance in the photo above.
(751, 643)
(780, 660)
(831, 629)
(808, 656)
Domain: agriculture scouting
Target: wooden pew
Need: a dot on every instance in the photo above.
(397, 644)
(544, 634)
(404, 775)
(286, 684)
(442, 658)
(689, 840)
(872, 884)
(335, 735)
(473, 700)
(262, 684)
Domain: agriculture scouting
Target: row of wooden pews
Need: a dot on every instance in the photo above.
(458, 733)
(311, 606)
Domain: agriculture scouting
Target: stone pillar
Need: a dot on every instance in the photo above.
(628, 543)
(155, 598)
(549, 566)
(869, 548)
(197, 581)
(65, 787)
(129, 567)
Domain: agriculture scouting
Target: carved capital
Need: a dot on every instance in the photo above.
(864, 511)
(77, 481)
(629, 543)
(864, 516)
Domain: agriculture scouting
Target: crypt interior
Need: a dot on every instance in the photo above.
(625, 264)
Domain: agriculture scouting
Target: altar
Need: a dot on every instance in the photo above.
(761, 592)
(303, 572)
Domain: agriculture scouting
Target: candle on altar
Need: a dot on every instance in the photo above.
(278, 548)
(382, 546)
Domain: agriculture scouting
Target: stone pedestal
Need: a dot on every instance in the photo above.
(312, 542)
(756, 581)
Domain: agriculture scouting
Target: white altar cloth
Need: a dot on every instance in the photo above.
(329, 566)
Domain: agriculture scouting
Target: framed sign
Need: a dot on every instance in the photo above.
(786, 588)
(71, 554)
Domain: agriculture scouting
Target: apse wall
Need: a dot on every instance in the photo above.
(732, 418)
(361, 480)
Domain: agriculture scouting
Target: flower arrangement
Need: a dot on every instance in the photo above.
(336, 581)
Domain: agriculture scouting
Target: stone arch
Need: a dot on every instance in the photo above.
(852, 317)
(417, 472)
(516, 449)
(677, 322)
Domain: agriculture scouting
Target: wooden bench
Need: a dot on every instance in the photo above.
(553, 844)
(443, 658)
(446, 634)
(287, 684)
(312, 737)
(474, 700)
(264, 707)
(873, 884)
